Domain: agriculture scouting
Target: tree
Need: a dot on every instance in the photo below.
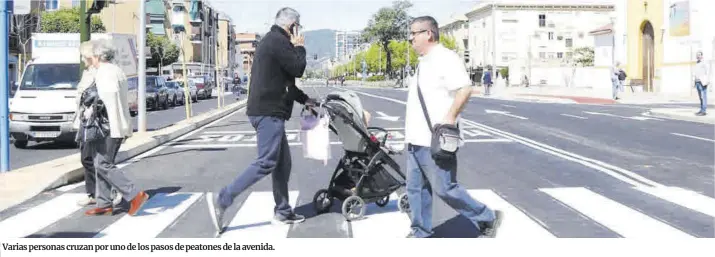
(584, 56)
(162, 50)
(21, 30)
(388, 24)
(67, 21)
(448, 41)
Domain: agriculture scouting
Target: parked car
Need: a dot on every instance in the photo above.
(133, 97)
(204, 85)
(157, 94)
(176, 95)
(192, 89)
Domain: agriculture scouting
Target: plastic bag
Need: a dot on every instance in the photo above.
(315, 137)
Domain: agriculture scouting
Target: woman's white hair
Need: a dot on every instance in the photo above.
(286, 16)
(104, 50)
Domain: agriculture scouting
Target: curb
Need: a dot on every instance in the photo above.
(77, 175)
(659, 114)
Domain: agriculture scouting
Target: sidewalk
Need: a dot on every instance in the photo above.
(21, 184)
(686, 114)
(586, 95)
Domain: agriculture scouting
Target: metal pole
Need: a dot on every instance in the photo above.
(84, 33)
(6, 10)
(141, 69)
(219, 88)
(494, 43)
(187, 93)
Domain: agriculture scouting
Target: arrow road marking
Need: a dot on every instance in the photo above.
(506, 114)
(384, 116)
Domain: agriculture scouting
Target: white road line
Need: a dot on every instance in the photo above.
(488, 140)
(382, 222)
(693, 137)
(616, 172)
(573, 116)
(155, 216)
(508, 106)
(683, 197)
(615, 216)
(254, 218)
(40, 216)
(254, 132)
(238, 145)
(516, 223)
(68, 188)
(167, 144)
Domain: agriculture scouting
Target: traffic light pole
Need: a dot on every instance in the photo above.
(84, 24)
(6, 13)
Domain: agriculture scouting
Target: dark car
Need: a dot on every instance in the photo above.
(157, 94)
(176, 93)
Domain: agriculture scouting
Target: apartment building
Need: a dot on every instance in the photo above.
(502, 32)
(457, 27)
(226, 45)
(247, 43)
(346, 44)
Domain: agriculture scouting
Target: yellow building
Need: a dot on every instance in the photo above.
(656, 42)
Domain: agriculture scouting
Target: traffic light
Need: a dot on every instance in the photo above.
(466, 56)
(96, 6)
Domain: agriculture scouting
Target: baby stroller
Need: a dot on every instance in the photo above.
(365, 173)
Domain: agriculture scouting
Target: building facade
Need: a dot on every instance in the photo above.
(346, 44)
(656, 42)
(458, 27)
(504, 32)
(247, 43)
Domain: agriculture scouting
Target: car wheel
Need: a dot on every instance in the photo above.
(20, 144)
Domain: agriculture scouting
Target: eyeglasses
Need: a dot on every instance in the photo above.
(413, 33)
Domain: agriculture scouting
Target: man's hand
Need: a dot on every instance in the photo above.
(297, 40)
(311, 102)
(449, 121)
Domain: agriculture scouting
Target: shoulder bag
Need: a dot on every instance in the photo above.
(445, 137)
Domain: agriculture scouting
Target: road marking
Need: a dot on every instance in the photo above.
(617, 217)
(683, 197)
(474, 132)
(253, 219)
(214, 146)
(641, 118)
(508, 106)
(573, 116)
(40, 216)
(488, 140)
(68, 188)
(693, 137)
(170, 143)
(381, 222)
(505, 114)
(253, 132)
(157, 214)
(384, 116)
(517, 223)
(618, 173)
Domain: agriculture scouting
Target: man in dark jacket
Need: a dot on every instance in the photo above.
(279, 60)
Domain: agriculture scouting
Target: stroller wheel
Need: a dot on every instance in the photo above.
(322, 201)
(403, 204)
(353, 208)
(383, 202)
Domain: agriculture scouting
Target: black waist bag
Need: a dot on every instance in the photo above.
(445, 137)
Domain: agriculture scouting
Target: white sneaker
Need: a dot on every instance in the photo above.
(87, 200)
(116, 197)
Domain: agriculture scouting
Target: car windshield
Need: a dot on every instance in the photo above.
(50, 77)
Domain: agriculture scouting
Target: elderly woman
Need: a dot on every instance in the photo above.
(112, 90)
(85, 152)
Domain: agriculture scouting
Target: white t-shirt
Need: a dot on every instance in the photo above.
(441, 73)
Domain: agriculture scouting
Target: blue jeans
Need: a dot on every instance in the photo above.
(703, 95)
(421, 167)
(273, 158)
(615, 84)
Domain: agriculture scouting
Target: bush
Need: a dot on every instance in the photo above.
(376, 78)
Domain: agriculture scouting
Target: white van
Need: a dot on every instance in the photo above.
(45, 102)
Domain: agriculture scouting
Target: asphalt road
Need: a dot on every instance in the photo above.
(46, 151)
(552, 175)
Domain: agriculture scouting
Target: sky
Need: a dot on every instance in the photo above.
(258, 15)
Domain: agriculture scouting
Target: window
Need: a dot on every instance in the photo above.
(560, 55)
(542, 20)
(542, 55)
(559, 38)
(569, 42)
(51, 5)
(551, 35)
(551, 55)
(569, 55)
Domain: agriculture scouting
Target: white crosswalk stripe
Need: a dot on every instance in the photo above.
(253, 218)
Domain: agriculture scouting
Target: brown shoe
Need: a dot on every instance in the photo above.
(100, 211)
(137, 203)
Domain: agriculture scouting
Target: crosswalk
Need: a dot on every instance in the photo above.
(185, 214)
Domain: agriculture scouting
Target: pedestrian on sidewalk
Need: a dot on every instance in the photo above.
(279, 60)
(616, 79)
(702, 80)
(110, 109)
(439, 93)
(487, 78)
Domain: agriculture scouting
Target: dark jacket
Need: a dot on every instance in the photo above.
(277, 63)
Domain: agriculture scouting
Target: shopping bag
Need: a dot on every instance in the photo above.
(315, 137)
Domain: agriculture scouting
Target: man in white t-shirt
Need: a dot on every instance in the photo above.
(446, 88)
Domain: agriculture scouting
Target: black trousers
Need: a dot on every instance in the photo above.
(88, 163)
